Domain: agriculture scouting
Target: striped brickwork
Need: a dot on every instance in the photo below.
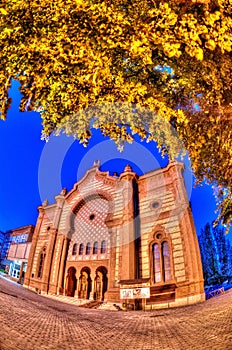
(129, 214)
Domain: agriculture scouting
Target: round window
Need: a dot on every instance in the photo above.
(91, 217)
(155, 205)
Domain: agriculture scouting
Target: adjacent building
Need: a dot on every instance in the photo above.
(2, 239)
(119, 239)
(18, 251)
(4, 248)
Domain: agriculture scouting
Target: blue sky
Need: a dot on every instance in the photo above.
(33, 170)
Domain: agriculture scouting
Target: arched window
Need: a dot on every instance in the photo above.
(161, 262)
(41, 263)
(166, 262)
(88, 248)
(103, 247)
(95, 248)
(81, 249)
(74, 251)
(156, 260)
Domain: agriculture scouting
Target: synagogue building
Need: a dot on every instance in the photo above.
(119, 238)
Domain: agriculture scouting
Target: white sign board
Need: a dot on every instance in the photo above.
(134, 293)
(19, 239)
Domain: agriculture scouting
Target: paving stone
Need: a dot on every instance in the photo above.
(32, 322)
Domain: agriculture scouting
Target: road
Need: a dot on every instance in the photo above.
(30, 322)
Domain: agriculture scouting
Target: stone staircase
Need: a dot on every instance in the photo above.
(90, 304)
(65, 299)
(109, 306)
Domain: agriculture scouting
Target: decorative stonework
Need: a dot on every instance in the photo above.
(97, 244)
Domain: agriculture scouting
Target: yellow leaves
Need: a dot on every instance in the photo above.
(210, 44)
(202, 29)
(84, 44)
(188, 21)
(199, 54)
(6, 32)
(162, 15)
(119, 80)
(81, 55)
(79, 2)
(181, 117)
(3, 11)
(211, 18)
(219, 25)
(195, 51)
(137, 47)
(172, 49)
(141, 89)
(88, 76)
(147, 59)
(95, 76)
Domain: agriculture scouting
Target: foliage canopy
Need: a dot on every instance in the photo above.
(113, 64)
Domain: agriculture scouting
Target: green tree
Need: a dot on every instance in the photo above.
(209, 259)
(216, 254)
(109, 64)
(222, 252)
(229, 250)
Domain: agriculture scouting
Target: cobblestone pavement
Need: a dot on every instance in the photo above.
(29, 322)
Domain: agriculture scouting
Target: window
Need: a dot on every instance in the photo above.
(74, 251)
(88, 248)
(166, 262)
(155, 205)
(91, 217)
(41, 263)
(156, 259)
(161, 262)
(81, 249)
(103, 247)
(95, 248)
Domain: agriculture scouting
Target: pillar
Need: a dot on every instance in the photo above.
(33, 246)
(61, 276)
(21, 272)
(128, 233)
(49, 259)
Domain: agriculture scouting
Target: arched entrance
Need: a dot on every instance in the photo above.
(85, 283)
(71, 282)
(100, 283)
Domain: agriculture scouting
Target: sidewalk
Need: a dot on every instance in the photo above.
(8, 278)
(31, 322)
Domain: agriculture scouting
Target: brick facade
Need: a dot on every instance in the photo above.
(110, 233)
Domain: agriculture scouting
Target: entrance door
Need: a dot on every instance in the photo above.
(71, 282)
(14, 269)
(84, 284)
(100, 283)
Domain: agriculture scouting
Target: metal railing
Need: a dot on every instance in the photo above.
(215, 292)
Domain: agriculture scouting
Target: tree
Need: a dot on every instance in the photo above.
(127, 67)
(210, 265)
(229, 250)
(215, 254)
(218, 235)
